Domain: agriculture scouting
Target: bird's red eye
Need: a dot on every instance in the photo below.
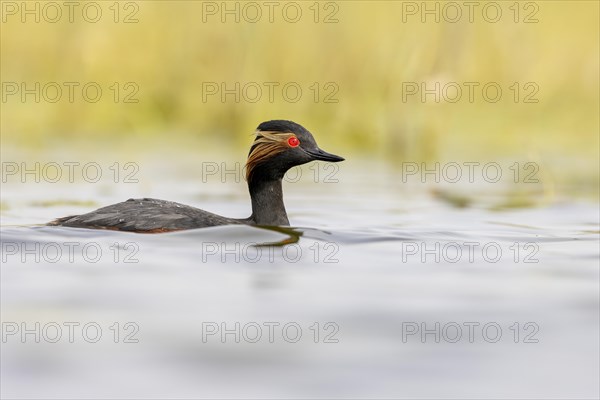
(293, 141)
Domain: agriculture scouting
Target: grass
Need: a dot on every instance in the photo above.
(366, 58)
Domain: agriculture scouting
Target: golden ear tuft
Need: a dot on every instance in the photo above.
(266, 145)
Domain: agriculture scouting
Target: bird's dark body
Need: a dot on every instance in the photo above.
(147, 216)
(279, 145)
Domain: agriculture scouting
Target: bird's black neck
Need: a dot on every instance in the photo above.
(267, 202)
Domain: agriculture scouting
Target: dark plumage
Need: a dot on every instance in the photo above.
(279, 145)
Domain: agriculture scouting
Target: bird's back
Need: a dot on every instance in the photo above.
(146, 216)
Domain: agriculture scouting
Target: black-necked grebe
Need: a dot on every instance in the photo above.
(279, 145)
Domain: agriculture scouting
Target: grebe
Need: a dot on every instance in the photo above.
(279, 145)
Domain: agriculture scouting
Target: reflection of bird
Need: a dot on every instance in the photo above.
(279, 146)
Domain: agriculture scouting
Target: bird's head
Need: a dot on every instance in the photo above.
(280, 145)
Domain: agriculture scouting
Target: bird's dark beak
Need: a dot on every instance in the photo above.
(321, 155)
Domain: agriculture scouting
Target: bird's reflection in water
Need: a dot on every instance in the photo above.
(292, 233)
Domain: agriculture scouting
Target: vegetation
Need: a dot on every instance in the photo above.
(367, 63)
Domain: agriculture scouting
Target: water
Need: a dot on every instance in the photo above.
(370, 264)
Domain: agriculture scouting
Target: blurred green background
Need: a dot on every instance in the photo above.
(369, 55)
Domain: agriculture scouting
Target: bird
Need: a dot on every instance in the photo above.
(278, 146)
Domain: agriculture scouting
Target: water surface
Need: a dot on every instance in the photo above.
(368, 261)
